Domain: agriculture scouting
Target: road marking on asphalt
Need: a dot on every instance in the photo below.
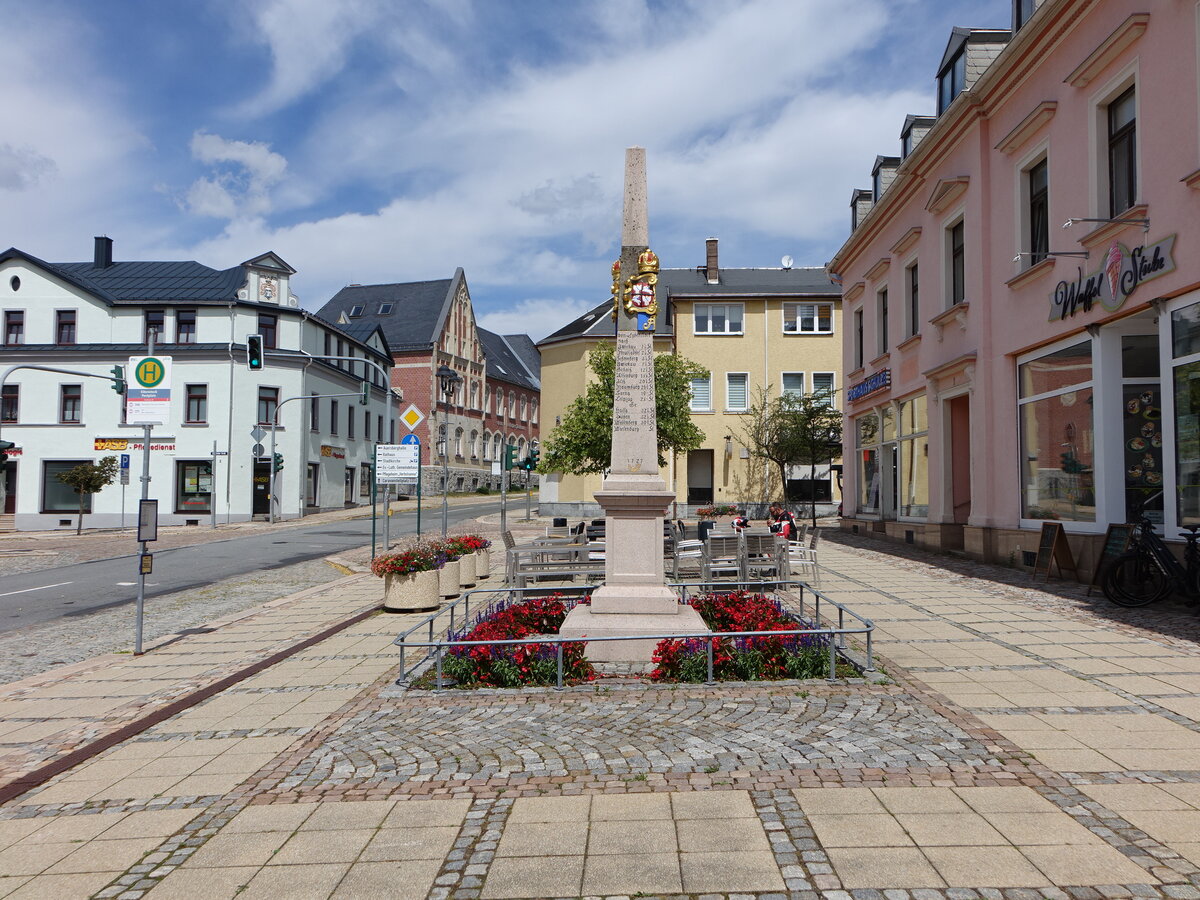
(126, 583)
(42, 588)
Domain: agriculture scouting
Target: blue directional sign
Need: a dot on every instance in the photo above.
(410, 439)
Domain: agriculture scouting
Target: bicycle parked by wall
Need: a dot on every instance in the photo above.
(1148, 571)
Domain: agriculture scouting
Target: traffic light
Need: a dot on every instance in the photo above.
(533, 456)
(277, 463)
(365, 398)
(5, 446)
(118, 374)
(510, 456)
(255, 358)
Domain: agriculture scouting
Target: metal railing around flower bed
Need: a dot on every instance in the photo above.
(571, 596)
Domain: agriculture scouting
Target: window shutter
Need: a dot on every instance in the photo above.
(793, 383)
(735, 390)
(701, 393)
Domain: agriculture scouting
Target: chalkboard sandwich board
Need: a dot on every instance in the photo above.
(1116, 542)
(1053, 548)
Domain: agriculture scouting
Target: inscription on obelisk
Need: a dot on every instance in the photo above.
(633, 406)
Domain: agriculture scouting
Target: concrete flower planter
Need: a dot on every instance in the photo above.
(448, 584)
(416, 592)
(466, 571)
(483, 565)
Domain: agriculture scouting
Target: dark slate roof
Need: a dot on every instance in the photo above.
(526, 349)
(187, 281)
(503, 363)
(749, 282)
(416, 310)
(596, 322)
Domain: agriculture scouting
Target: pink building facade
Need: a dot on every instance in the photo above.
(1022, 289)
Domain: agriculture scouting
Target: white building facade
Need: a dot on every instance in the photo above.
(206, 465)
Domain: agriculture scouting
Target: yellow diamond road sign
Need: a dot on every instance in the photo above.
(412, 417)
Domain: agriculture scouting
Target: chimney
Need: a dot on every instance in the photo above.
(103, 257)
(711, 271)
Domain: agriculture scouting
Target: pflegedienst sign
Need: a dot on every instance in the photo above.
(148, 396)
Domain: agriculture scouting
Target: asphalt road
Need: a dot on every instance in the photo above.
(87, 587)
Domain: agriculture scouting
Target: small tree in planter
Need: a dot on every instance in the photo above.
(410, 577)
(87, 479)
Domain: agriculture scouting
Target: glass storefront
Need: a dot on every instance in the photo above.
(59, 497)
(1057, 436)
(1185, 376)
(867, 452)
(914, 457)
(193, 487)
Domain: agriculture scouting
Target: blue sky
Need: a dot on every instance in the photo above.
(387, 140)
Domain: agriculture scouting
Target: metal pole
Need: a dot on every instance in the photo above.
(402, 677)
(437, 685)
(374, 496)
(420, 479)
(832, 659)
(387, 518)
(559, 684)
(271, 478)
(528, 495)
(141, 595)
(710, 660)
(212, 492)
(503, 495)
(445, 475)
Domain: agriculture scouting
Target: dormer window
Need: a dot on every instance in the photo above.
(876, 186)
(951, 80)
(385, 309)
(906, 144)
(1022, 11)
(355, 312)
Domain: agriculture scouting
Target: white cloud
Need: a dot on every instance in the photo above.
(243, 189)
(22, 167)
(536, 317)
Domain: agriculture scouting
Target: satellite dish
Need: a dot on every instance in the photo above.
(786, 262)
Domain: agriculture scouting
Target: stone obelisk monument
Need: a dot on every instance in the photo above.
(634, 598)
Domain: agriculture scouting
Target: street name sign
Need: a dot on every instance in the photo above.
(148, 395)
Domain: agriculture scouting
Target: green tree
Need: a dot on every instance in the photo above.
(793, 429)
(582, 442)
(87, 479)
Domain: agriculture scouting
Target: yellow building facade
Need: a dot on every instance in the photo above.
(757, 329)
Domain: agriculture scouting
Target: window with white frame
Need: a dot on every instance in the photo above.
(717, 318)
(914, 457)
(956, 263)
(912, 298)
(858, 339)
(702, 394)
(808, 318)
(736, 391)
(1057, 437)
(881, 319)
(1035, 224)
(822, 385)
(793, 384)
(1122, 152)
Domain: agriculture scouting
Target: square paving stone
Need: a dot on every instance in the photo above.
(137, 788)
(348, 814)
(996, 867)
(648, 873)
(398, 844)
(325, 846)
(722, 834)
(530, 876)
(967, 829)
(65, 829)
(1075, 865)
(550, 809)
(838, 800)
(1121, 798)
(204, 785)
(410, 880)
(890, 867)
(11, 883)
(211, 884)
(426, 813)
(630, 807)
(712, 805)
(18, 829)
(155, 823)
(1188, 850)
(1041, 828)
(1166, 825)
(31, 859)
(237, 850)
(1005, 799)
(652, 837)
(727, 872)
(104, 856)
(1188, 792)
(61, 887)
(272, 817)
(921, 800)
(313, 882)
(543, 839)
(1076, 760)
(871, 830)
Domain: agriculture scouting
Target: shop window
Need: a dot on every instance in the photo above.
(807, 318)
(1185, 342)
(313, 485)
(914, 457)
(10, 403)
(1057, 436)
(364, 480)
(193, 487)
(70, 401)
(64, 326)
(793, 384)
(736, 391)
(867, 458)
(717, 318)
(702, 394)
(196, 410)
(185, 326)
(1122, 152)
(268, 403)
(58, 497)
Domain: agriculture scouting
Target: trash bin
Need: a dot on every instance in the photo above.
(704, 527)
(560, 522)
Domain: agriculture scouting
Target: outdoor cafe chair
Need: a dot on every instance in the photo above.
(798, 561)
(760, 553)
(722, 553)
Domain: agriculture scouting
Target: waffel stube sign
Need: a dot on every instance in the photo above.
(1123, 270)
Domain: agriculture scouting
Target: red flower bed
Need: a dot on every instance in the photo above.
(516, 665)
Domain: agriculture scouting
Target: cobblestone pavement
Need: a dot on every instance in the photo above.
(1028, 745)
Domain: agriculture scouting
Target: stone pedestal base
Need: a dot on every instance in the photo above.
(582, 622)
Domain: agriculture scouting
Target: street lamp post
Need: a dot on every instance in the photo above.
(448, 380)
